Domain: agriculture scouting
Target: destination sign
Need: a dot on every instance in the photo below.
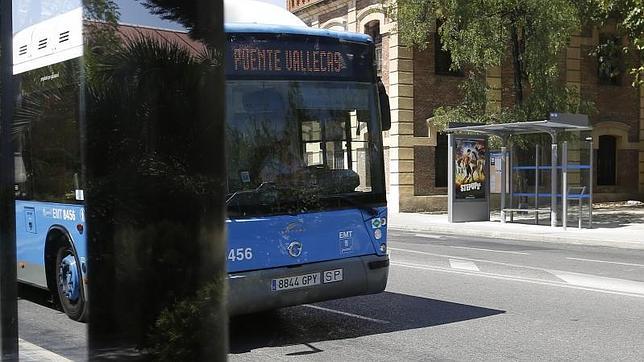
(288, 59)
(279, 60)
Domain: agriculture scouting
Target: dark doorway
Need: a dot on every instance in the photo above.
(440, 161)
(606, 160)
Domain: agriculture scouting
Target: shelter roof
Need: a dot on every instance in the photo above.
(558, 122)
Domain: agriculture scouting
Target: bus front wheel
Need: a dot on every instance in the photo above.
(69, 283)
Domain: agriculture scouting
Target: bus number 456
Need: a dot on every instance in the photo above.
(240, 254)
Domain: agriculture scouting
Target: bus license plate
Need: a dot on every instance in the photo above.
(332, 276)
(298, 281)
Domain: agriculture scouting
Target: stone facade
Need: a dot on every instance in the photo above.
(641, 137)
(416, 90)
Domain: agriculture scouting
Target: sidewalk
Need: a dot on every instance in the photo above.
(31, 352)
(615, 225)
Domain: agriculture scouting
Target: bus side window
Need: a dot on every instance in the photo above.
(21, 160)
(48, 163)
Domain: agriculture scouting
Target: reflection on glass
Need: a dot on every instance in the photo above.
(151, 126)
(48, 105)
(301, 137)
(124, 177)
(46, 33)
(31, 12)
(116, 202)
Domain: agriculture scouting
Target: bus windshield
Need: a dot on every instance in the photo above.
(299, 146)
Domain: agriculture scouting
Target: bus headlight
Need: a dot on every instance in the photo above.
(383, 248)
(377, 234)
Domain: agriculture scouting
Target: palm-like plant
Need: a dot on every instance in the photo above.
(150, 113)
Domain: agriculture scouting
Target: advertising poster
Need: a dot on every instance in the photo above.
(470, 177)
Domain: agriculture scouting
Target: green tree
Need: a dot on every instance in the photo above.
(530, 34)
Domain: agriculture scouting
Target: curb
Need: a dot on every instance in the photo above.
(559, 239)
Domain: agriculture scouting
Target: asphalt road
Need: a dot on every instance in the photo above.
(448, 298)
(46, 331)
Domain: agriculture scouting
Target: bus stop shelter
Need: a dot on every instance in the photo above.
(557, 124)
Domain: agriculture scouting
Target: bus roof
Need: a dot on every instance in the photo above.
(251, 16)
(295, 30)
(252, 11)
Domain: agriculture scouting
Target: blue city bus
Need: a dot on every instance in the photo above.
(306, 197)
(313, 227)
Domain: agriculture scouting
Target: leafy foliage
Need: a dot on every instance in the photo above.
(609, 56)
(480, 35)
(102, 10)
(181, 329)
(199, 17)
(148, 104)
(183, 12)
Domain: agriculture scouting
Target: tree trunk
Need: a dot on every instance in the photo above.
(517, 65)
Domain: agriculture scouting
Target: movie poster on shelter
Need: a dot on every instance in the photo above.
(470, 177)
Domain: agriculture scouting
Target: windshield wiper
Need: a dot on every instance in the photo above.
(293, 199)
(299, 198)
(259, 188)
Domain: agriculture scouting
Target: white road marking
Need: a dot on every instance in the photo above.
(589, 282)
(490, 250)
(608, 262)
(597, 282)
(31, 352)
(514, 278)
(346, 314)
(463, 265)
(464, 258)
(429, 236)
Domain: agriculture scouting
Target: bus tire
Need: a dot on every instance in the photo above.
(69, 283)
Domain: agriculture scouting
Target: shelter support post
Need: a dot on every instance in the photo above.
(591, 182)
(511, 185)
(564, 184)
(553, 180)
(581, 213)
(503, 178)
(581, 207)
(537, 153)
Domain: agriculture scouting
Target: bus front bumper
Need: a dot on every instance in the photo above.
(254, 291)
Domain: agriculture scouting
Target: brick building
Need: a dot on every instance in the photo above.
(420, 81)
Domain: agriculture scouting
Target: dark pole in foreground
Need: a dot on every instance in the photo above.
(155, 173)
(8, 289)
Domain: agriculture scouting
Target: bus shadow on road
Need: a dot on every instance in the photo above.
(346, 318)
(36, 295)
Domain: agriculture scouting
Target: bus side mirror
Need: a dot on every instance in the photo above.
(385, 110)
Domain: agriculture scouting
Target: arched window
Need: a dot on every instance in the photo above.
(372, 29)
(606, 160)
